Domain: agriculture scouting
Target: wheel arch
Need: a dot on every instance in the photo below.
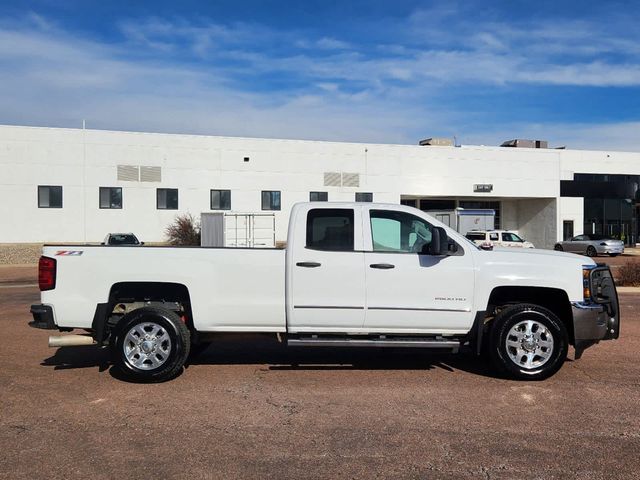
(106, 318)
(554, 299)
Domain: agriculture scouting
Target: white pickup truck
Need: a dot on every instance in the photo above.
(352, 274)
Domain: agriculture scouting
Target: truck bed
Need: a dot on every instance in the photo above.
(231, 289)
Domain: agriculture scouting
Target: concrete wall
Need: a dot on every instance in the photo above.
(537, 220)
(571, 209)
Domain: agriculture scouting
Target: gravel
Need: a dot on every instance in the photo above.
(19, 253)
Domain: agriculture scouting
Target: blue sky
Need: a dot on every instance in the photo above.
(387, 72)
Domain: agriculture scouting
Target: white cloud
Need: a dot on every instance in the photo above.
(179, 76)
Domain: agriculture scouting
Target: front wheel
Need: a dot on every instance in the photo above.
(151, 344)
(528, 342)
(558, 247)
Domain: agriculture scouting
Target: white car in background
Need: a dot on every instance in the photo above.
(497, 238)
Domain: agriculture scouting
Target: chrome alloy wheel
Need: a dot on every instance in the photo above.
(529, 344)
(147, 346)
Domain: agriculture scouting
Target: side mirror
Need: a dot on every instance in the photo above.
(439, 245)
(101, 243)
(141, 243)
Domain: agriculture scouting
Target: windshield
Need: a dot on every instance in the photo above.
(123, 239)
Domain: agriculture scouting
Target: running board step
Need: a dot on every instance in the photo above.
(374, 342)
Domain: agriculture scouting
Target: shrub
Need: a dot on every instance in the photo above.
(629, 274)
(185, 230)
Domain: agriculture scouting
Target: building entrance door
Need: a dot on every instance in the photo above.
(567, 230)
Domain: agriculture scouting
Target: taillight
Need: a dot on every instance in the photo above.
(46, 273)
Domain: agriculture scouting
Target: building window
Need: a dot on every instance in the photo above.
(220, 199)
(49, 196)
(364, 197)
(270, 200)
(330, 229)
(318, 196)
(110, 197)
(167, 199)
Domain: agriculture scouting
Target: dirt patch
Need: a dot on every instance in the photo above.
(20, 253)
(252, 408)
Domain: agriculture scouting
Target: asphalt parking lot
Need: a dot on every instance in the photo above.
(254, 409)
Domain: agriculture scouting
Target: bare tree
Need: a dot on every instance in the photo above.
(185, 230)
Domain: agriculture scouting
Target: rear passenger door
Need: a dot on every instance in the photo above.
(326, 272)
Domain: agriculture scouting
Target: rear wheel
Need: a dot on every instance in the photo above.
(528, 342)
(151, 344)
(558, 247)
(592, 252)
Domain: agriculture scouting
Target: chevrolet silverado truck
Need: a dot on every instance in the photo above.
(352, 275)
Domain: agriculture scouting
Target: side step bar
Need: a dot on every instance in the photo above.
(434, 343)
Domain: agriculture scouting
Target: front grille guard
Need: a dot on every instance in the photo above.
(603, 292)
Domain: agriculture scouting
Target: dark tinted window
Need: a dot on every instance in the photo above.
(318, 196)
(49, 196)
(220, 199)
(167, 199)
(475, 236)
(270, 200)
(330, 229)
(364, 197)
(110, 197)
(122, 239)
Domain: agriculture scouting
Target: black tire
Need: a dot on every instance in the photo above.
(511, 316)
(591, 251)
(177, 333)
(558, 247)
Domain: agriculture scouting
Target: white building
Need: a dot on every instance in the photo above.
(73, 185)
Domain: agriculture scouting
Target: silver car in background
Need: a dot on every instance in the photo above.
(592, 245)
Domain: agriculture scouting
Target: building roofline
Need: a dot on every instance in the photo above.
(326, 142)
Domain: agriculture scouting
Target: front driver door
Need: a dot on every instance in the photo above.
(408, 291)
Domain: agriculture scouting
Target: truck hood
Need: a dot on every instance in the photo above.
(531, 268)
(534, 256)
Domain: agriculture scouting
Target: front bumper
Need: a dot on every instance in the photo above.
(598, 318)
(42, 317)
(610, 249)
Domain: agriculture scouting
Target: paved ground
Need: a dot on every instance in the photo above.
(255, 410)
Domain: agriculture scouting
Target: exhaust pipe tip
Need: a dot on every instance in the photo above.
(70, 340)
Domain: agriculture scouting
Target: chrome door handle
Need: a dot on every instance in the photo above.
(382, 266)
(308, 264)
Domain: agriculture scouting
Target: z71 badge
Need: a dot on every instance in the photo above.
(73, 253)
